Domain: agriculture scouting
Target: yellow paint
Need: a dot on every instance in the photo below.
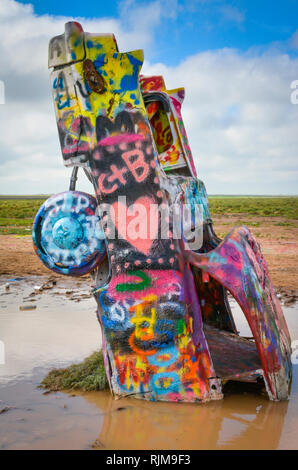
(101, 44)
(115, 68)
(144, 332)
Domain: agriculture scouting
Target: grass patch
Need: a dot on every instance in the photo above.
(15, 231)
(87, 376)
(19, 208)
(17, 215)
(255, 205)
(4, 222)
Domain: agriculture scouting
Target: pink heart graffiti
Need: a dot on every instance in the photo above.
(138, 223)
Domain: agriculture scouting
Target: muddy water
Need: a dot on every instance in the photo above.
(63, 329)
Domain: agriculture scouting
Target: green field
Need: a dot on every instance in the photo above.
(17, 214)
(286, 206)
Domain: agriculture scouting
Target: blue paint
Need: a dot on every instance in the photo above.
(117, 316)
(133, 97)
(67, 233)
(58, 83)
(167, 329)
(156, 359)
(100, 60)
(130, 82)
(156, 383)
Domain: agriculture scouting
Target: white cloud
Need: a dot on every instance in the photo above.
(240, 121)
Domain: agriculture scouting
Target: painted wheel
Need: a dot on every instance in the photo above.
(67, 235)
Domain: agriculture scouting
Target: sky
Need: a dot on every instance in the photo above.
(236, 59)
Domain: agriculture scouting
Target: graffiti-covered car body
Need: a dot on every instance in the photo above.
(168, 330)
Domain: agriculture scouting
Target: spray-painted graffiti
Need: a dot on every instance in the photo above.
(164, 310)
(67, 234)
(149, 335)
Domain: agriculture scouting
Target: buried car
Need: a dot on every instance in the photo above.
(161, 284)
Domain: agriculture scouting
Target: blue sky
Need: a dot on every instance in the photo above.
(196, 25)
(236, 59)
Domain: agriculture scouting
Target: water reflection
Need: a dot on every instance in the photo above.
(238, 422)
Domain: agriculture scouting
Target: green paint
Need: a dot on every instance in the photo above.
(135, 286)
(180, 326)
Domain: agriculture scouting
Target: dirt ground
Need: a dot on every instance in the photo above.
(278, 238)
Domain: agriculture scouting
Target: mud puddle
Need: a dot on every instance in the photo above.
(61, 330)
